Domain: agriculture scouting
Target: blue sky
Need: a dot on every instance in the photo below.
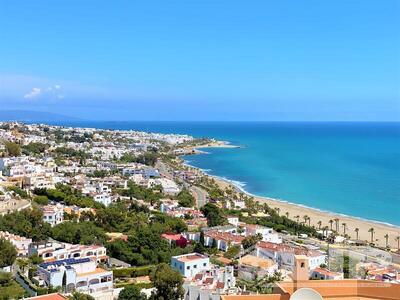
(202, 60)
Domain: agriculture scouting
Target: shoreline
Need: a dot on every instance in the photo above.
(352, 222)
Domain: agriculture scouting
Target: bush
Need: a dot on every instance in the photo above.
(42, 200)
(133, 272)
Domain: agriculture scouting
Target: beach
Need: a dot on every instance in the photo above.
(380, 229)
(316, 215)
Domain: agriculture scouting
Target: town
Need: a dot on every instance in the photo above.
(110, 214)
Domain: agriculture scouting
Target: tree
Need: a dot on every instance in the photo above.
(357, 230)
(80, 296)
(344, 228)
(131, 292)
(372, 231)
(232, 252)
(185, 198)
(337, 224)
(250, 241)
(8, 253)
(297, 218)
(398, 243)
(12, 149)
(331, 223)
(386, 239)
(168, 283)
(213, 214)
(319, 224)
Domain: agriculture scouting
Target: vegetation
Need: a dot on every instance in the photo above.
(68, 195)
(17, 190)
(213, 214)
(168, 283)
(12, 149)
(131, 292)
(138, 192)
(34, 148)
(148, 158)
(261, 285)
(8, 253)
(80, 296)
(41, 200)
(27, 222)
(9, 289)
(185, 198)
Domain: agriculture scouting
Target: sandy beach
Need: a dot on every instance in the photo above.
(380, 229)
(316, 215)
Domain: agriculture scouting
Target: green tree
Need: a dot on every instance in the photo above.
(250, 241)
(185, 198)
(213, 214)
(12, 149)
(8, 253)
(80, 296)
(168, 283)
(131, 292)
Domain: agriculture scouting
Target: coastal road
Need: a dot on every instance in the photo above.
(200, 195)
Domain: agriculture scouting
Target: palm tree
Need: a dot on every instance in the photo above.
(305, 217)
(319, 224)
(386, 236)
(297, 217)
(337, 224)
(344, 228)
(372, 231)
(398, 242)
(356, 230)
(325, 231)
(287, 214)
(309, 221)
(278, 210)
(331, 223)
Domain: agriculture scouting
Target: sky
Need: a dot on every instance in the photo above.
(310, 60)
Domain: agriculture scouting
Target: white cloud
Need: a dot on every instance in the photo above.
(50, 92)
(34, 93)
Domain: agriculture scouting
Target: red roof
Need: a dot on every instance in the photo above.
(55, 296)
(172, 236)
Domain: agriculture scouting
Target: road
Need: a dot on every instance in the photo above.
(200, 195)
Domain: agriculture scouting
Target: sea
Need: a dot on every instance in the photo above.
(347, 168)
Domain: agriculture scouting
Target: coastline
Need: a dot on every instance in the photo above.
(315, 214)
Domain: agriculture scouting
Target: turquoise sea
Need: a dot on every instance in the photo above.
(347, 168)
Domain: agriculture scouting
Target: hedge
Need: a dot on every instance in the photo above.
(132, 272)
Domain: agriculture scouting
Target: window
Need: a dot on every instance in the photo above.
(205, 264)
(195, 267)
(302, 265)
(188, 268)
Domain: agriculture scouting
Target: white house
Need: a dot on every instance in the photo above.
(21, 243)
(268, 235)
(103, 198)
(284, 254)
(53, 214)
(80, 274)
(190, 264)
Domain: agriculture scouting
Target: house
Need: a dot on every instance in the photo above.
(222, 240)
(80, 274)
(178, 239)
(266, 233)
(190, 264)
(51, 251)
(251, 267)
(347, 289)
(21, 243)
(103, 198)
(285, 254)
(233, 220)
(53, 214)
(325, 274)
(54, 296)
(211, 284)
